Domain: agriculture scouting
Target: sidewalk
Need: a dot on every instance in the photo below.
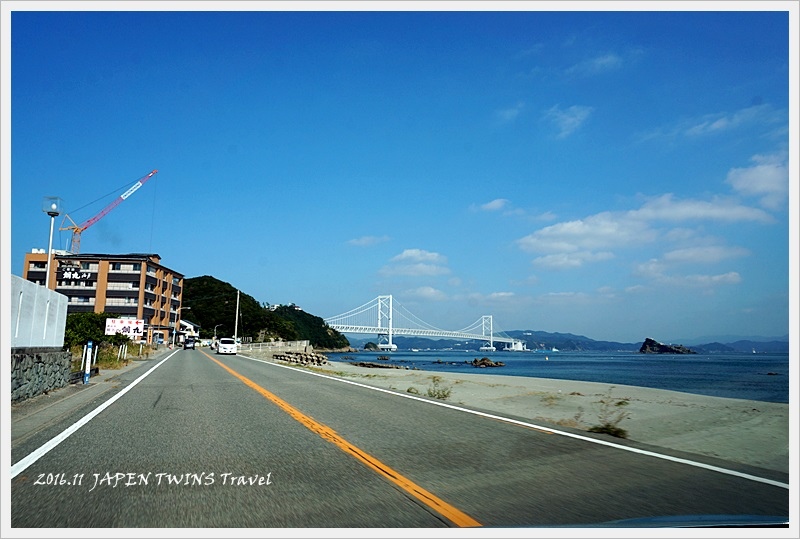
(32, 415)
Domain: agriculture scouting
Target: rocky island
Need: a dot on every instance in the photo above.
(486, 362)
(651, 346)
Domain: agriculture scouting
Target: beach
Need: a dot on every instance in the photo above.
(753, 433)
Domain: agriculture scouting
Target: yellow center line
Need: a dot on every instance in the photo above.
(457, 517)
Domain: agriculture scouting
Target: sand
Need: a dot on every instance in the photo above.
(749, 432)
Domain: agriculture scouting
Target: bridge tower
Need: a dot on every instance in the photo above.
(487, 329)
(385, 314)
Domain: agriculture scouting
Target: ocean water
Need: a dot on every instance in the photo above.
(760, 377)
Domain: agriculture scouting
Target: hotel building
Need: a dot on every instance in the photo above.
(134, 286)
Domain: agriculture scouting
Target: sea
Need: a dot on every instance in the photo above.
(758, 376)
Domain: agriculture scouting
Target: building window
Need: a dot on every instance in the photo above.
(38, 265)
(122, 286)
(122, 302)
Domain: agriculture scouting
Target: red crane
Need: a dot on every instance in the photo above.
(78, 229)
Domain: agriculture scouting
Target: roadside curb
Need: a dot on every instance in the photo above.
(31, 415)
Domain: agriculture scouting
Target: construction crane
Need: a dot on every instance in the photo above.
(75, 245)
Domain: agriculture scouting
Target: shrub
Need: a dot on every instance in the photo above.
(438, 392)
(106, 357)
(611, 412)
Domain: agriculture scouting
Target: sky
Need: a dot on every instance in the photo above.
(613, 174)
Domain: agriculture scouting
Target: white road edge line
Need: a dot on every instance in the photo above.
(539, 427)
(23, 464)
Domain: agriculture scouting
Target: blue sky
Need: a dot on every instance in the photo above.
(618, 175)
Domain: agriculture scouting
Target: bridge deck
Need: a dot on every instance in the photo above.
(342, 328)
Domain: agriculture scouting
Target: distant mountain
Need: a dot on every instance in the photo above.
(543, 340)
(211, 304)
(751, 346)
(568, 342)
(731, 339)
(535, 340)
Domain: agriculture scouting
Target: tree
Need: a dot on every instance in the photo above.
(81, 328)
(213, 304)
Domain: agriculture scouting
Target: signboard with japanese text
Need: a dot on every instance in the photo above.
(133, 329)
(69, 271)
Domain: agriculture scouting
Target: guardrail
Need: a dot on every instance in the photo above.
(275, 346)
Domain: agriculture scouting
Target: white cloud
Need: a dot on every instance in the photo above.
(768, 179)
(731, 277)
(570, 260)
(419, 255)
(495, 205)
(417, 262)
(568, 120)
(426, 293)
(599, 231)
(705, 254)
(510, 114)
(415, 270)
(654, 270)
(635, 289)
(366, 241)
(493, 298)
(668, 208)
(572, 244)
(597, 65)
(713, 124)
(701, 281)
(565, 298)
(501, 296)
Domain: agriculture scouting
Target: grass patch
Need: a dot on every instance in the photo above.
(611, 412)
(437, 391)
(550, 399)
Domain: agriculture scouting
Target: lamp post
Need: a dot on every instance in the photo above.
(52, 207)
(236, 323)
(177, 321)
(215, 331)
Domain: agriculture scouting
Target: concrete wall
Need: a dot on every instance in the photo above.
(38, 315)
(38, 319)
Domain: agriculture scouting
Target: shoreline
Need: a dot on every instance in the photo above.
(754, 433)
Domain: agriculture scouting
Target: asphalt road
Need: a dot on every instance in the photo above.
(192, 439)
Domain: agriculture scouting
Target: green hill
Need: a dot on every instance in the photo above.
(211, 303)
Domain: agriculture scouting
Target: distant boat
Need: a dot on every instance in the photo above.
(415, 349)
(554, 349)
(487, 348)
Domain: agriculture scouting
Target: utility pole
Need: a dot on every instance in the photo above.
(236, 324)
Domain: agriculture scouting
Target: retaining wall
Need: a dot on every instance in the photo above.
(36, 371)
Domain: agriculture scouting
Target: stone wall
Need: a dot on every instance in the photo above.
(35, 371)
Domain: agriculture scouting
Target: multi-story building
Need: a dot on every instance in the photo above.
(134, 286)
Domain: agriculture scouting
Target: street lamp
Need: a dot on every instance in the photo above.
(52, 207)
(177, 321)
(215, 331)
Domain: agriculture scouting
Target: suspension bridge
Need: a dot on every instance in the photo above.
(386, 318)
